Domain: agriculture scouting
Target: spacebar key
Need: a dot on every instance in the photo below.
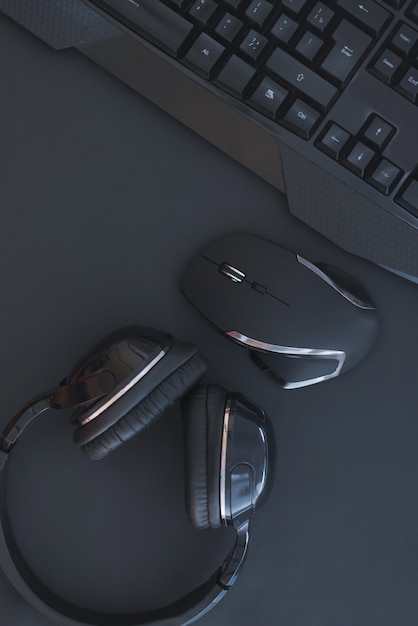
(301, 77)
(151, 19)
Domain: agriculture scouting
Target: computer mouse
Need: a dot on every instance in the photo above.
(302, 321)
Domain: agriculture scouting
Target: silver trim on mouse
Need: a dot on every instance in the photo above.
(315, 353)
(348, 295)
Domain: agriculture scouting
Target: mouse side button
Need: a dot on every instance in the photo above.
(342, 284)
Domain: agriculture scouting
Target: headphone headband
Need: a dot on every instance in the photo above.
(93, 383)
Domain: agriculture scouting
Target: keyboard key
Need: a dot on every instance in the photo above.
(320, 17)
(233, 3)
(284, 28)
(404, 39)
(334, 141)
(156, 22)
(301, 77)
(396, 4)
(295, 6)
(409, 84)
(258, 11)
(229, 27)
(203, 10)
(253, 44)
(268, 97)
(408, 198)
(351, 44)
(377, 131)
(385, 176)
(359, 158)
(203, 55)
(235, 76)
(309, 45)
(386, 66)
(413, 12)
(301, 119)
(371, 15)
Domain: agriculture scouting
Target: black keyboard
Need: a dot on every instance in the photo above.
(319, 98)
(290, 60)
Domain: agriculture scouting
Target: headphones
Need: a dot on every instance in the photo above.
(122, 385)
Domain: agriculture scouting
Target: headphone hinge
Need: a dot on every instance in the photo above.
(5, 447)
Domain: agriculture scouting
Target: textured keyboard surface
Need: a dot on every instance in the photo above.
(334, 82)
(340, 76)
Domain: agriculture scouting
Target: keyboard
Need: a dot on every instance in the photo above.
(319, 98)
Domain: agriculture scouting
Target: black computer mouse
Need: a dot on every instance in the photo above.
(304, 322)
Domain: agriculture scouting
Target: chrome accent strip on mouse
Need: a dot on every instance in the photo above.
(312, 353)
(343, 291)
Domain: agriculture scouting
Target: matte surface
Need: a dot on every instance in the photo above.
(293, 306)
(104, 201)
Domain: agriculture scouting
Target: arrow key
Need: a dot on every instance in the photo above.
(385, 176)
(377, 131)
(334, 141)
(359, 158)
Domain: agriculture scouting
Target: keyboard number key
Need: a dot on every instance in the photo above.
(268, 97)
(301, 119)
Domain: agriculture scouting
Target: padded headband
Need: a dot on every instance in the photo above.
(108, 382)
(184, 611)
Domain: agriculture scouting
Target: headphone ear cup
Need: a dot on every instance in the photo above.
(149, 409)
(203, 417)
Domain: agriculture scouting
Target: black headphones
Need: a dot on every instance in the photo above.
(120, 387)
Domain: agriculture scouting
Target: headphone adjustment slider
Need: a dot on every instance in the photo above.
(5, 447)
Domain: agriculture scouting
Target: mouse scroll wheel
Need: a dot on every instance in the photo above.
(232, 272)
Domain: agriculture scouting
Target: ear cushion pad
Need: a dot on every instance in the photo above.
(203, 416)
(149, 409)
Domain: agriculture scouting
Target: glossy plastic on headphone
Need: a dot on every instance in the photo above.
(105, 383)
(247, 454)
(128, 355)
(246, 457)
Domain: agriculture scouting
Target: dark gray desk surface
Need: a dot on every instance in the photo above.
(104, 199)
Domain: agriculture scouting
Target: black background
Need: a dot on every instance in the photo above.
(104, 200)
